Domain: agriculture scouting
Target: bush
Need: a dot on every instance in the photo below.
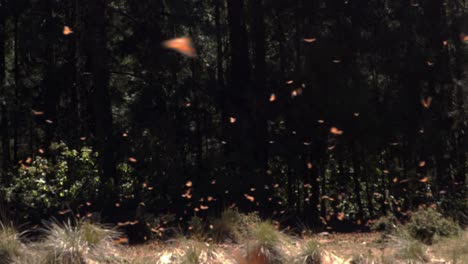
(234, 226)
(427, 225)
(387, 224)
(47, 184)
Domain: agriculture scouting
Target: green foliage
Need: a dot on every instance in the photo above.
(456, 207)
(265, 240)
(197, 228)
(387, 224)
(234, 225)
(265, 235)
(427, 225)
(51, 183)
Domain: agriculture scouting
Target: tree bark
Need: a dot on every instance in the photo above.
(98, 63)
(4, 127)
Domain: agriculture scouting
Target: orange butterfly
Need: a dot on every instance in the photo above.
(67, 30)
(272, 97)
(336, 131)
(182, 45)
(310, 40)
(426, 102)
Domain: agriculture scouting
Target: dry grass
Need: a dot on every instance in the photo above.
(10, 243)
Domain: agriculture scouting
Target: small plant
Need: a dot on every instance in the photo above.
(413, 250)
(197, 228)
(10, 243)
(265, 235)
(358, 259)
(192, 255)
(266, 242)
(310, 253)
(428, 225)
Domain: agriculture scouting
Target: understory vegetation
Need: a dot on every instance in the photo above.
(239, 239)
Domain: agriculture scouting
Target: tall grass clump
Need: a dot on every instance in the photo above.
(69, 243)
(309, 254)
(266, 243)
(10, 243)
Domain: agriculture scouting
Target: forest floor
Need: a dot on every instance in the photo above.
(373, 247)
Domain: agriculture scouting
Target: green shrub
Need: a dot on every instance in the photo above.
(234, 226)
(197, 228)
(427, 225)
(47, 184)
(456, 207)
(387, 224)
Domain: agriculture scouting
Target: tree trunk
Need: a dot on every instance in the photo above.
(4, 127)
(98, 63)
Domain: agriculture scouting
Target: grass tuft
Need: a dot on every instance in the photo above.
(69, 243)
(310, 253)
(10, 243)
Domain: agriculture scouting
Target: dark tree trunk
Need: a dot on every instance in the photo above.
(4, 125)
(219, 45)
(52, 91)
(260, 99)
(238, 102)
(98, 63)
(17, 87)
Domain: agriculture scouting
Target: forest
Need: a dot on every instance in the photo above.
(159, 115)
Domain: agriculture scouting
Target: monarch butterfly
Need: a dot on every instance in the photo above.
(67, 31)
(182, 45)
